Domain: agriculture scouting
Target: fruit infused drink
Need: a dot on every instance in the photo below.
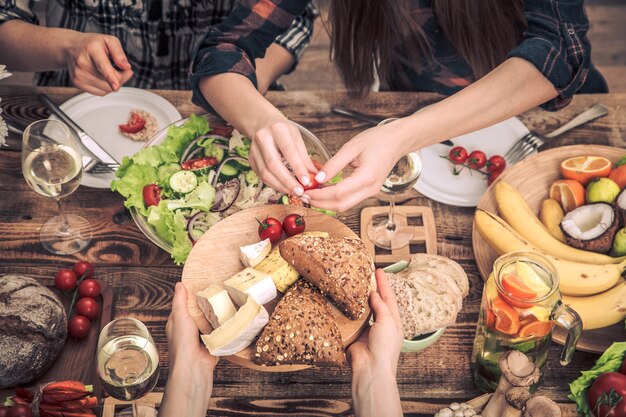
(521, 304)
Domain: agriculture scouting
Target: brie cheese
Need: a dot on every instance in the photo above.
(253, 283)
(252, 255)
(216, 305)
(239, 331)
(282, 273)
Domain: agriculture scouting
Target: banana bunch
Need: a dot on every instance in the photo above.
(600, 310)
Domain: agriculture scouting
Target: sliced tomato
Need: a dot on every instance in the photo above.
(535, 328)
(135, 124)
(507, 320)
(152, 195)
(516, 291)
(295, 201)
(198, 163)
(312, 185)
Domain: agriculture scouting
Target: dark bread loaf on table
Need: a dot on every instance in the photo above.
(33, 329)
(301, 330)
(341, 268)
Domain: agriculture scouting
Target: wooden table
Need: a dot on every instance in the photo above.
(143, 275)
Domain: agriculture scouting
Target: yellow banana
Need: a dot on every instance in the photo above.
(600, 310)
(516, 212)
(551, 215)
(575, 278)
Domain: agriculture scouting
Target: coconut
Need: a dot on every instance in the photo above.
(620, 202)
(591, 227)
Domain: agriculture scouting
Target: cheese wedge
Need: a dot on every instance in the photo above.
(253, 283)
(216, 305)
(252, 255)
(239, 331)
(283, 274)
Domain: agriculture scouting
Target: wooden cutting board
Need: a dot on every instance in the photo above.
(215, 258)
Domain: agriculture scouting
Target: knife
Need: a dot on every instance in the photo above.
(92, 146)
(369, 119)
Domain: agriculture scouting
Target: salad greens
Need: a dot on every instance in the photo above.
(610, 361)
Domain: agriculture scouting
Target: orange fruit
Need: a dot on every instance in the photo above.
(507, 320)
(535, 328)
(516, 291)
(619, 176)
(569, 193)
(585, 168)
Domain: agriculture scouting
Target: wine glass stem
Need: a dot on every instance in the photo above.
(391, 225)
(135, 408)
(64, 226)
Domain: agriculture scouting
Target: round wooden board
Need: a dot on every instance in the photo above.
(532, 177)
(215, 258)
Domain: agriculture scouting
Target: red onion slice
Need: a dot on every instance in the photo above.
(220, 206)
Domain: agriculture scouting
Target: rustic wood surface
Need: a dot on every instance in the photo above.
(143, 275)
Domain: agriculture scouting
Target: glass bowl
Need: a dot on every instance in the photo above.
(314, 146)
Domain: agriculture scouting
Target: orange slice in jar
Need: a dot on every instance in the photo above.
(535, 328)
(490, 319)
(585, 168)
(507, 320)
(516, 291)
(570, 193)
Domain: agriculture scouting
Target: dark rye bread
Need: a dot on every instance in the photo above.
(341, 268)
(301, 330)
(33, 329)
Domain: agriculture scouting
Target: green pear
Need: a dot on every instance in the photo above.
(602, 190)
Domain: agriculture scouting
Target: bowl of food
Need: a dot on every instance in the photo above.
(192, 174)
(430, 291)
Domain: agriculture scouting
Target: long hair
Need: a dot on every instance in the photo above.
(384, 36)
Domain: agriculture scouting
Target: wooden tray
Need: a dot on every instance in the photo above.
(215, 258)
(532, 178)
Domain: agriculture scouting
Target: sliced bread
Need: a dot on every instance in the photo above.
(301, 330)
(438, 282)
(341, 268)
(445, 266)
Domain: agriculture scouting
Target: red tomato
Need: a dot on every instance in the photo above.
(493, 176)
(83, 268)
(4, 411)
(152, 195)
(89, 288)
(270, 229)
(134, 124)
(458, 155)
(78, 326)
(20, 410)
(496, 163)
(476, 160)
(312, 183)
(198, 163)
(293, 224)
(65, 279)
(88, 307)
(221, 130)
(607, 395)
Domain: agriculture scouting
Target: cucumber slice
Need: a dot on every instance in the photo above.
(183, 182)
(165, 171)
(243, 151)
(228, 172)
(242, 164)
(252, 178)
(216, 152)
(284, 200)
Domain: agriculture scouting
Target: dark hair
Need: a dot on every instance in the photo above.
(385, 36)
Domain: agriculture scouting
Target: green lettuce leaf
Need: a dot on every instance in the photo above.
(610, 361)
(181, 245)
(132, 179)
(201, 198)
(178, 137)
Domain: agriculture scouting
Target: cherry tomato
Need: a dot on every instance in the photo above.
(134, 124)
(152, 195)
(606, 395)
(88, 307)
(198, 163)
(458, 155)
(65, 279)
(83, 268)
(20, 410)
(312, 183)
(78, 326)
(476, 159)
(4, 411)
(222, 130)
(496, 163)
(493, 176)
(293, 224)
(622, 370)
(89, 288)
(270, 229)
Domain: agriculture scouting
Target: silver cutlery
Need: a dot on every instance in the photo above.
(530, 143)
(351, 114)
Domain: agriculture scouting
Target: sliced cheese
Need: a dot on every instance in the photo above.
(216, 305)
(282, 273)
(252, 255)
(253, 283)
(239, 331)
(316, 234)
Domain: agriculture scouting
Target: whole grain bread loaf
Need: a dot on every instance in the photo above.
(301, 330)
(341, 268)
(33, 329)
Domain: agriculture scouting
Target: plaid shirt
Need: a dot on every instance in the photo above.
(555, 43)
(158, 36)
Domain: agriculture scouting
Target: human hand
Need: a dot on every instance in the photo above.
(280, 138)
(88, 58)
(373, 153)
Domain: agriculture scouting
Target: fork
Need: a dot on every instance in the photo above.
(530, 142)
(94, 166)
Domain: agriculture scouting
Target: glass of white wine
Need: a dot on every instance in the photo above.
(52, 167)
(128, 363)
(387, 233)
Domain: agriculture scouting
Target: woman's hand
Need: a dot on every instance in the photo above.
(90, 57)
(373, 153)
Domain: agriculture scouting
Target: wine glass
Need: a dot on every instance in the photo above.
(127, 363)
(386, 233)
(52, 167)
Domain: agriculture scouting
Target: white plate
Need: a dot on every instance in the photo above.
(101, 116)
(437, 181)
